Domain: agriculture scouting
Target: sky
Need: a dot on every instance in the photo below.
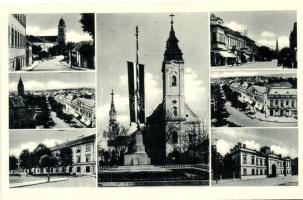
(263, 26)
(29, 139)
(47, 25)
(116, 45)
(48, 81)
(239, 73)
(281, 140)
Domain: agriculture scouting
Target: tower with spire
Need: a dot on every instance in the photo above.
(61, 32)
(113, 125)
(172, 122)
(173, 77)
(277, 46)
(20, 88)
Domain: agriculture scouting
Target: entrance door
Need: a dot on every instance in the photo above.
(273, 170)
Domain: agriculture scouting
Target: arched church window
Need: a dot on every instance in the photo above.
(175, 111)
(175, 137)
(173, 81)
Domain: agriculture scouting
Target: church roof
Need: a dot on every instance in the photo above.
(16, 101)
(172, 52)
(42, 39)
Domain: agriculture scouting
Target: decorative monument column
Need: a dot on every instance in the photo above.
(137, 109)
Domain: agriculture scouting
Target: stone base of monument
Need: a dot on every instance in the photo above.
(139, 157)
(136, 159)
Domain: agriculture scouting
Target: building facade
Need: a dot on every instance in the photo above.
(229, 47)
(81, 108)
(282, 101)
(275, 100)
(17, 41)
(173, 126)
(83, 156)
(249, 163)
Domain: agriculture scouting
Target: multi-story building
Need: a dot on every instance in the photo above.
(250, 163)
(17, 41)
(82, 108)
(293, 46)
(83, 156)
(282, 101)
(229, 47)
(276, 100)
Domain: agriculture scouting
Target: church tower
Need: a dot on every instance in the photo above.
(113, 125)
(61, 32)
(173, 78)
(20, 88)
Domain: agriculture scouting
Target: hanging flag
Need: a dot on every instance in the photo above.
(131, 91)
(141, 98)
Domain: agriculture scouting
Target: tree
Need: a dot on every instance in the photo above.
(88, 23)
(38, 152)
(65, 157)
(26, 159)
(36, 49)
(48, 161)
(217, 163)
(13, 163)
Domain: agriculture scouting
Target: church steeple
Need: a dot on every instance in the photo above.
(173, 77)
(61, 32)
(172, 51)
(112, 111)
(20, 87)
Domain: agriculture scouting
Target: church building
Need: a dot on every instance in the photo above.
(46, 42)
(173, 126)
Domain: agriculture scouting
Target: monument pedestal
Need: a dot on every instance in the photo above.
(140, 157)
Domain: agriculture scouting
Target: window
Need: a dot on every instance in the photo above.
(175, 111)
(261, 171)
(88, 158)
(253, 171)
(190, 138)
(244, 159)
(88, 148)
(173, 81)
(87, 169)
(271, 103)
(282, 104)
(78, 159)
(78, 150)
(175, 137)
(70, 169)
(244, 171)
(78, 169)
(253, 160)
(257, 171)
(277, 102)
(287, 103)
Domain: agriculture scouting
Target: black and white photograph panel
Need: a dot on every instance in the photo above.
(253, 40)
(255, 157)
(51, 42)
(153, 99)
(52, 158)
(254, 99)
(58, 100)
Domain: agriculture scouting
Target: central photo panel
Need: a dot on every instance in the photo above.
(153, 99)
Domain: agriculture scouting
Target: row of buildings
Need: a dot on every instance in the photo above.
(80, 107)
(229, 47)
(275, 100)
(250, 163)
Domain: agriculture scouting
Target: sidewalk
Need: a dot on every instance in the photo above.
(33, 66)
(42, 181)
(74, 67)
(261, 117)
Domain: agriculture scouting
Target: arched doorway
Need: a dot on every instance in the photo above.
(273, 170)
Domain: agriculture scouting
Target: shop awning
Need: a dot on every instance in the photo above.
(76, 114)
(87, 122)
(226, 54)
